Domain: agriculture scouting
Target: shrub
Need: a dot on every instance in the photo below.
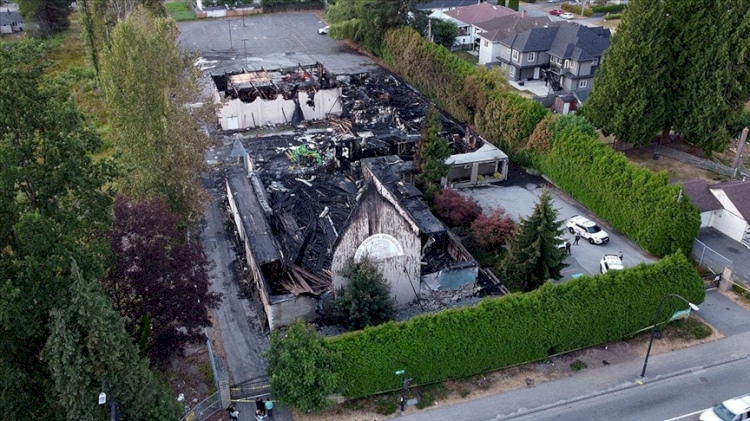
(513, 329)
(612, 8)
(494, 230)
(455, 209)
(385, 406)
(578, 365)
(644, 206)
(612, 16)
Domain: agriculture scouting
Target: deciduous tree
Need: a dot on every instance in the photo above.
(533, 254)
(54, 204)
(494, 230)
(366, 300)
(301, 368)
(52, 16)
(158, 279)
(455, 209)
(151, 90)
(87, 346)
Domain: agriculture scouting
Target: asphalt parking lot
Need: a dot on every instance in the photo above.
(271, 41)
(518, 196)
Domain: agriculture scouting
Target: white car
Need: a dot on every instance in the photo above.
(730, 410)
(610, 262)
(568, 16)
(324, 30)
(587, 229)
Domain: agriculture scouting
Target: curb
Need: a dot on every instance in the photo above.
(621, 387)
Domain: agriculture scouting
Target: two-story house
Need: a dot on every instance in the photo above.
(493, 31)
(469, 16)
(565, 54)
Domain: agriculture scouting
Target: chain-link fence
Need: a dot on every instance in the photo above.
(204, 409)
(709, 258)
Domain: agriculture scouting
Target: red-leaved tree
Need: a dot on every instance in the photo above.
(494, 230)
(158, 279)
(455, 209)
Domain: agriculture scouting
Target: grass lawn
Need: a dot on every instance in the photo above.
(466, 56)
(179, 10)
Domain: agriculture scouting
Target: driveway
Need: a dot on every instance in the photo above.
(518, 196)
(270, 41)
(723, 251)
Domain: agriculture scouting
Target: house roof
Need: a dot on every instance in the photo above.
(500, 28)
(445, 4)
(564, 40)
(739, 193)
(9, 17)
(698, 192)
(487, 153)
(481, 12)
(408, 196)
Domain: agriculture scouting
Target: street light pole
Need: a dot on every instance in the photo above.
(229, 23)
(656, 320)
(113, 415)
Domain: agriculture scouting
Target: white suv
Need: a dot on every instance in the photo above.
(610, 262)
(587, 229)
(730, 410)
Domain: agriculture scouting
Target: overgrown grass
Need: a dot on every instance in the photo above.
(691, 329)
(467, 56)
(430, 394)
(180, 11)
(385, 406)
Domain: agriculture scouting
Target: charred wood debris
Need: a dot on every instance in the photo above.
(312, 177)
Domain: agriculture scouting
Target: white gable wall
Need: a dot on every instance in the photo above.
(727, 220)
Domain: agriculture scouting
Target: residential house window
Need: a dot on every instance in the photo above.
(511, 71)
(595, 62)
(486, 43)
(583, 83)
(515, 55)
(567, 64)
(531, 56)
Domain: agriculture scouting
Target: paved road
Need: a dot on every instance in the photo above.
(518, 196)
(619, 381)
(271, 41)
(671, 398)
(724, 314)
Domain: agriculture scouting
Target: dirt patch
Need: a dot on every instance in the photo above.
(678, 171)
(528, 375)
(191, 376)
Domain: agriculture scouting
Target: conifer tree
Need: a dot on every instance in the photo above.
(432, 149)
(87, 346)
(533, 254)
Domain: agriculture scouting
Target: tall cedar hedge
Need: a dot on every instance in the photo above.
(643, 205)
(514, 329)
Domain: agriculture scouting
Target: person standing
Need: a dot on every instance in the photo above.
(259, 406)
(620, 256)
(259, 415)
(269, 408)
(234, 415)
(567, 247)
(578, 237)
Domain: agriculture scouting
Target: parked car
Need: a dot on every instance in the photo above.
(587, 229)
(568, 16)
(556, 12)
(554, 1)
(610, 262)
(730, 410)
(324, 30)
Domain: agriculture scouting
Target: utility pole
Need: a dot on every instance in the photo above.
(244, 42)
(738, 157)
(229, 23)
(583, 7)
(429, 29)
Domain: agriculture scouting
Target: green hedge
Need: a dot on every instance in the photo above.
(469, 93)
(572, 8)
(514, 329)
(612, 8)
(641, 204)
(612, 16)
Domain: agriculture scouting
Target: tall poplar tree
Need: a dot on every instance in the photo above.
(533, 254)
(151, 90)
